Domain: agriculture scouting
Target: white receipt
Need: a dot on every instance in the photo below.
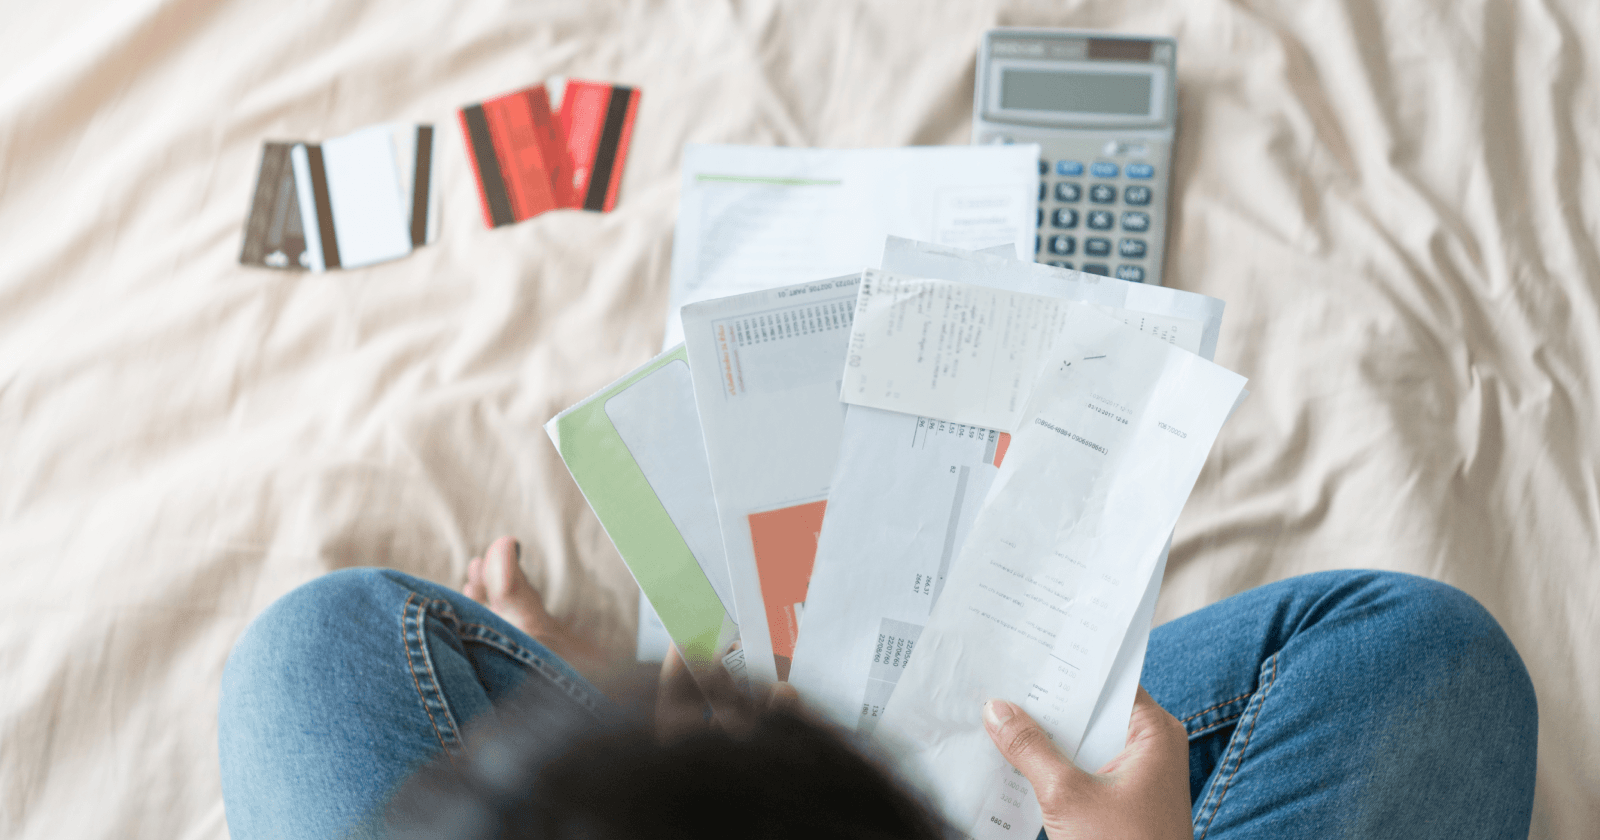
(959, 352)
(766, 368)
(751, 217)
(1037, 605)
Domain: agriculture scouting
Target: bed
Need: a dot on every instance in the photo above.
(1400, 202)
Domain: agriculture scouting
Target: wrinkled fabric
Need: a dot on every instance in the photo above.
(1399, 200)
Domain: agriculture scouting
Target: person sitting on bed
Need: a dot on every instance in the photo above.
(1337, 704)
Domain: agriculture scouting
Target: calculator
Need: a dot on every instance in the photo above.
(1103, 109)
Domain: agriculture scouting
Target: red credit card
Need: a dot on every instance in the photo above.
(597, 120)
(521, 163)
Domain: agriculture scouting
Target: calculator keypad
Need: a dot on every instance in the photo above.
(1065, 182)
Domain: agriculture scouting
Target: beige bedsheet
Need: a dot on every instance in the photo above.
(1399, 199)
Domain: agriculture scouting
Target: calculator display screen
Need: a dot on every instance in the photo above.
(1123, 94)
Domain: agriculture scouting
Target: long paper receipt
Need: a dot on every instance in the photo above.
(956, 351)
(1111, 442)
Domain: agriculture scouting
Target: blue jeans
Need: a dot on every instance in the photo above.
(342, 688)
(1341, 704)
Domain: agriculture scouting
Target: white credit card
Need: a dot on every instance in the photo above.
(366, 198)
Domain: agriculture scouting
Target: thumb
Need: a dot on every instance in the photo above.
(1025, 744)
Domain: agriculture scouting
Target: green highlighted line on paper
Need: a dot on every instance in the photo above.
(776, 182)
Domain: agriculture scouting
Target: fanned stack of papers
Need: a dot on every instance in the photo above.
(915, 488)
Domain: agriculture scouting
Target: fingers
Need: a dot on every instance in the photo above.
(680, 707)
(1027, 747)
(1155, 738)
(783, 698)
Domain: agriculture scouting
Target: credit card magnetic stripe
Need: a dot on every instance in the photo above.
(611, 139)
(420, 186)
(316, 209)
(491, 183)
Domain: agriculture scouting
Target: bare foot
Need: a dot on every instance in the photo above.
(496, 580)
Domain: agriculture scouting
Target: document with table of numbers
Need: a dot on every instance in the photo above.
(766, 368)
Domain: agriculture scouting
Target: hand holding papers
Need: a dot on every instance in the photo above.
(916, 566)
(1036, 607)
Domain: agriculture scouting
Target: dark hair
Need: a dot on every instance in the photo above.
(758, 772)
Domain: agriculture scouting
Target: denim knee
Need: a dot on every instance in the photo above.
(299, 630)
(1435, 627)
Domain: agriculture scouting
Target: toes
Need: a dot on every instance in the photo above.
(474, 587)
(502, 573)
(507, 586)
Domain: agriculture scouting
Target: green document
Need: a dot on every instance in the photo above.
(636, 451)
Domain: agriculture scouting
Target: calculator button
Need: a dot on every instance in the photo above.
(1059, 264)
(1042, 188)
(1040, 223)
(1063, 244)
(1102, 194)
(1131, 273)
(1136, 195)
(1037, 241)
(1131, 249)
(1064, 217)
(1103, 170)
(1135, 221)
(1097, 246)
(1044, 167)
(1069, 168)
(1067, 192)
(1140, 170)
(1101, 219)
(1096, 268)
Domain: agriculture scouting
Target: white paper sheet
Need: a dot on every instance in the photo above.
(905, 486)
(1108, 726)
(754, 217)
(958, 351)
(766, 369)
(925, 259)
(1039, 602)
